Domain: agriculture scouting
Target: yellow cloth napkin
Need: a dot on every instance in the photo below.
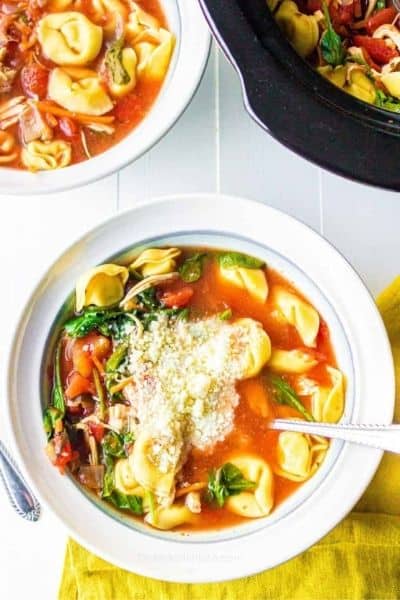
(358, 560)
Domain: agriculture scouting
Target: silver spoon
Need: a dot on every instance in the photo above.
(21, 498)
(383, 437)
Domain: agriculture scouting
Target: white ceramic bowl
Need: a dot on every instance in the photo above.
(193, 40)
(362, 350)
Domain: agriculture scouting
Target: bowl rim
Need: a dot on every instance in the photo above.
(188, 64)
(195, 565)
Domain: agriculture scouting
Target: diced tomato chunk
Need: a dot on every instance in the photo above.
(378, 50)
(81, 358)
(101, 347)
(60, 451)
(68, 127)
(177, 299)
(386, 15)
(97, 430)
(78, 385)
(341, 14)
(34, 80)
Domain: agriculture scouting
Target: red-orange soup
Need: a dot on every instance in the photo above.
(247, 469)
(76, 76)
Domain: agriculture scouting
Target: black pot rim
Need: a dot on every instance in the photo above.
(297, 106)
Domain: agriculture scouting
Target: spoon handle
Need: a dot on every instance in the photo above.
(384, 437)
(20, 497)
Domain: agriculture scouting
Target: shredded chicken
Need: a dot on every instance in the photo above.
(11, 110)
(33, 126)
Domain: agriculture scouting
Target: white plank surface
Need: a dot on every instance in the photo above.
(214, 147)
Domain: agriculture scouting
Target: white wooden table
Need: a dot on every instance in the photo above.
(214, 147)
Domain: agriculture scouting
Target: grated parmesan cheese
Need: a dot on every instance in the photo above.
(184, 383)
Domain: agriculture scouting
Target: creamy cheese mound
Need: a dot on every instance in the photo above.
(184, 382)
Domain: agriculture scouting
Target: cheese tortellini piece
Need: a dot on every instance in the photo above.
(328, 402)
(69, 38)
(107, 13)
(360, 86)
(154, 56)
(291, 361)
(258, 501)
(391, 81)
(170, 517)
(139, 23)
(300, 314)
(299, 455)
(257, 349)
(301, 30)
(46, 156)
(126, 82)
(79, 91)
(155, 261)
(251, 280)
(155, 461)
(125, 480)
(101, 286)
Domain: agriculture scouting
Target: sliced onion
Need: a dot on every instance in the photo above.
(91, 476)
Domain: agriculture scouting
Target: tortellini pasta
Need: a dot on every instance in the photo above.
(299, 455)
(102, 286)
(328, 402)
(154, 56)
(45, 156)
(170, 517)
(300, 314)
(291, 361)
(155, 462)
(79, 91)
(360, 86)
(251, 280)
(139, 22)
(69, 38)
(391, 81)
(107, 12)
(125, 480)
(301, 30)
(155, 261)
(121, 86)
(257, 349)
(335, 75)
(257, 502)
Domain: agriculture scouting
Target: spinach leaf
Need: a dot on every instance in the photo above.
(148, 299)
(225, 315)
(226, 481)
(234, 260)
(107, 322)
(117, 357)
(114, 445)
(192, 269)
(285, 394)
(50, 417)
(120, 500)
(58, 394)
(124, 502)
(331, 43)
(108, 479)
(387, 102)
(114, 63)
